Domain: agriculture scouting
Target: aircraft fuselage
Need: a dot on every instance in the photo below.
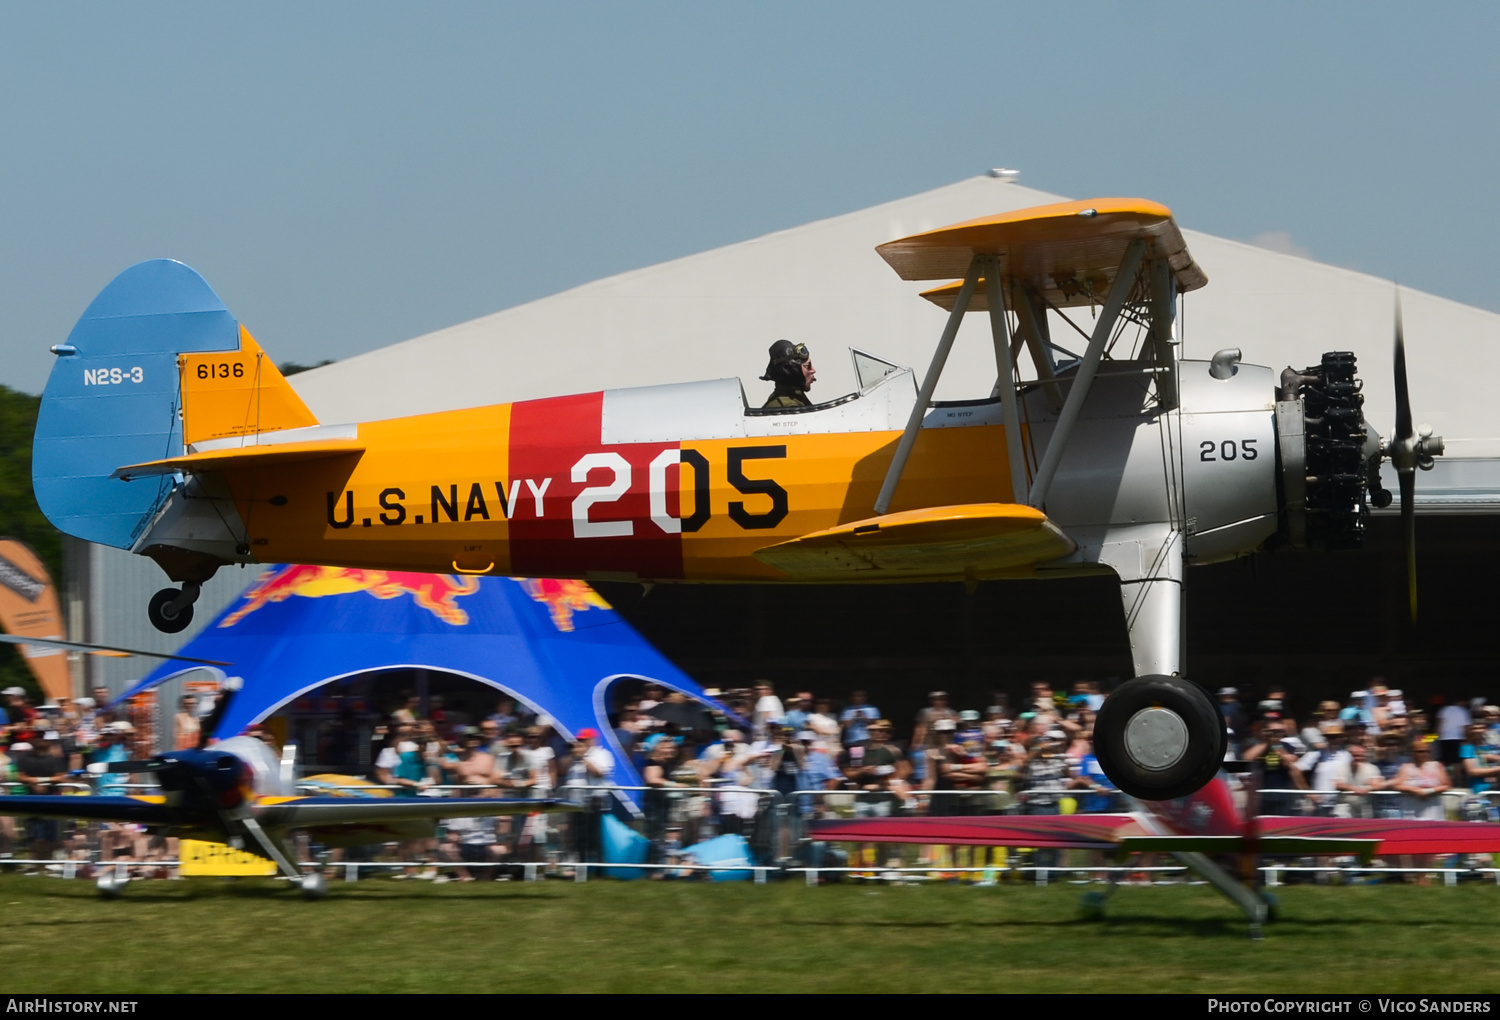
(683, 483)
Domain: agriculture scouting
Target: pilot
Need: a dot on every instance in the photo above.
(791, 369)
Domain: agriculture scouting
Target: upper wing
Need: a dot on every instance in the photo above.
(965, 541)
(296, 812)
(1062, 255)
(1062, 832)
(95, 809)
(1067, 252)
(1396, 835)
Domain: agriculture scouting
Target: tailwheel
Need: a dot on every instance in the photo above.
(171, 609)
(1160, 737)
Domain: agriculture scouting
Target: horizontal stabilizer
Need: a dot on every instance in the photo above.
(969, 541)
(244, 456)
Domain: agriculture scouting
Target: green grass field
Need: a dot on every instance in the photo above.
(384, 936)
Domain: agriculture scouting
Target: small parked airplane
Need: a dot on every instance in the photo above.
(1192, 829)
(238, 792)
(165, 429)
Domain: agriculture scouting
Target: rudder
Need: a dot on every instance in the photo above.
(126, 389)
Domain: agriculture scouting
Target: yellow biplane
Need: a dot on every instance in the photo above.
(166, 430)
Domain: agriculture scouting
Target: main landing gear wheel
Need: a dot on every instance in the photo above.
(165, 612)
(1160, 737)
(111, 885)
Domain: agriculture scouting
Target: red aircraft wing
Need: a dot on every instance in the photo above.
(1396, 835)
(1061, 832)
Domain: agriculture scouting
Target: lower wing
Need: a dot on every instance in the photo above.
(1061, 832)
(967, 541)
(299, 812)
(1395, 835)
(1122, 834)
(1271, 846)
(93, 809)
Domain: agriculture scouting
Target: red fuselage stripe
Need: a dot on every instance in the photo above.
(548, 438)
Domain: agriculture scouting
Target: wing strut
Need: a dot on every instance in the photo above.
(1257, 912)
(1083, 380)
(1033, 324)
(1163, 313)
(929, 384)
(270, 849)
(1005, 367)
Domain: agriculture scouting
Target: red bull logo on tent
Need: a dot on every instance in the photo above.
(436, 593)
(562, 598)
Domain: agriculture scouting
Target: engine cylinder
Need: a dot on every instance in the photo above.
(1325, 444)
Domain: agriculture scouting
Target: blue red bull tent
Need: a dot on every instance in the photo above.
(555, 646)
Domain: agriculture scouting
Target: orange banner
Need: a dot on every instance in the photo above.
(28, 608)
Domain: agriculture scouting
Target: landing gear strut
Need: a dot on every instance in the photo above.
(1160, 737)
(171, 609)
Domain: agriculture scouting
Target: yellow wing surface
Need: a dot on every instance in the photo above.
(974, 540)
(1067, 252)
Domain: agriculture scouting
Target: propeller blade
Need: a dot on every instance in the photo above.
(1403, 450)
(1403, 399)
(207, 726)
(1409, 536)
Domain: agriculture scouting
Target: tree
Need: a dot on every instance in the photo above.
(20, 517)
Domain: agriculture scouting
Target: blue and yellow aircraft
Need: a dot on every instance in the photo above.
(166, 430)
(237, 792)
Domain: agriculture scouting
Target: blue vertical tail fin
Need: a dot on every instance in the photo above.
(114, 398)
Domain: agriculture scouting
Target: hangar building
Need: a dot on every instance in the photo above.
(1320, 622)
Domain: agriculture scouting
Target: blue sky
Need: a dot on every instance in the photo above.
(348, 175)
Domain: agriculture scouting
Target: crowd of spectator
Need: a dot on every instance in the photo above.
(42, 749)
(804, 746)
(700, 765)
(1372, 755)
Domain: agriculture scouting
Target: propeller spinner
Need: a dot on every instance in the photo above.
(1409, 449)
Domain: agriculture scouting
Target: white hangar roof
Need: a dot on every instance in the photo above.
(714, 314)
